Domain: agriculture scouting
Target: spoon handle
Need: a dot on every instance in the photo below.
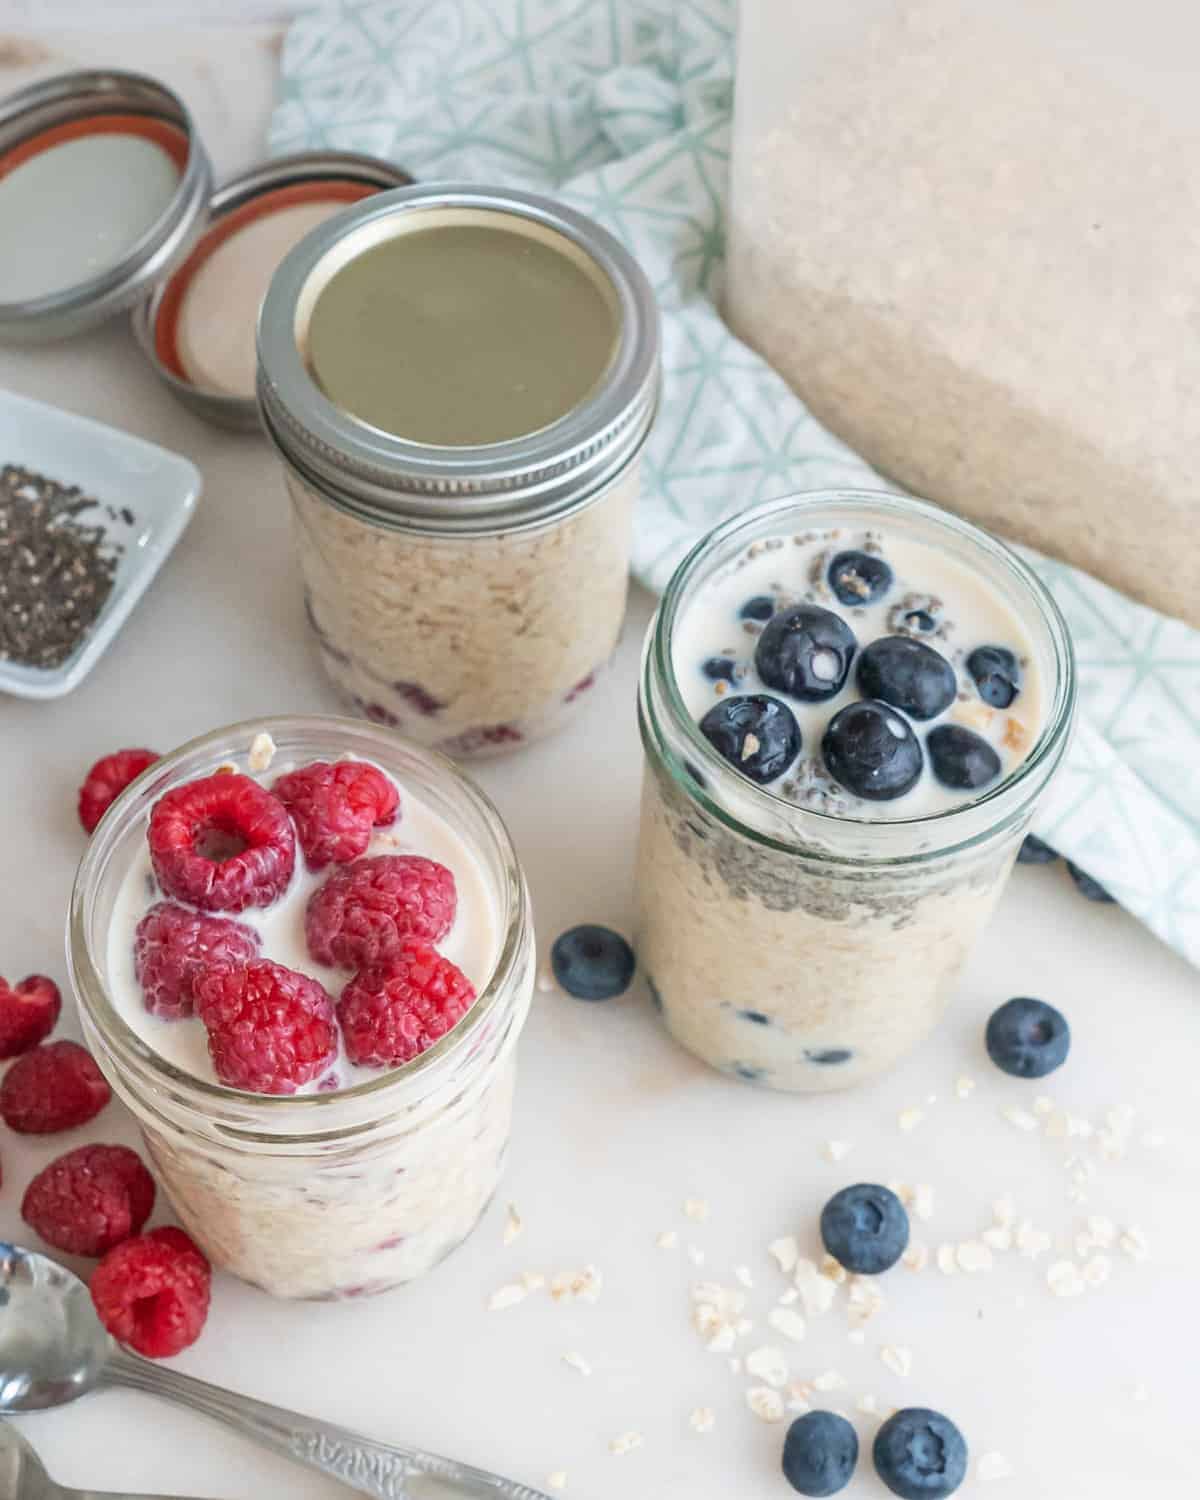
(379, 1469)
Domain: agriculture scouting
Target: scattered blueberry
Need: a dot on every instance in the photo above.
(865, 1228)
(829, 1056)
(996, 674)
(1028, 1038)
(1035, 852)
(719, 668)
(961, 758)
(1086, 886)
(922, 620)
(806, 652)
(760, 608)
(871, 751)
(819, 1453)
(756, 734)
(592, 963)
(859, 578)
(920, 1455)
(909, 675)
(760, 1018)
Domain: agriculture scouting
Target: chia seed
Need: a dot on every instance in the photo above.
(56, 570)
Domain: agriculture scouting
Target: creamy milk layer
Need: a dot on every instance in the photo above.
(933, 598)
(473, 943)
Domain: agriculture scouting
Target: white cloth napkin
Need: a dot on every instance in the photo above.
(623, 108)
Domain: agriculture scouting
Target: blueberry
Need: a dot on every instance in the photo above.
(806, 652)
(996, 674)
(859, 577)
(920, 1455)
(756, 734)
(719, 668)
(961, 758)
(871, 751)
(1086, 886)
(1035, 852)
(1027, 1038)
(909, 675)
(865, 1228)
(761, 607)
(592, 963)
(819, 1453)
(922, 620)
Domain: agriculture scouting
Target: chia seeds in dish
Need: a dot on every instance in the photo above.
(57, 569)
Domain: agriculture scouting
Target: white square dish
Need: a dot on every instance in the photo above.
(117, 470)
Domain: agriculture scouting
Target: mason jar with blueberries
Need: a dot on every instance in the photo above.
(851, 703)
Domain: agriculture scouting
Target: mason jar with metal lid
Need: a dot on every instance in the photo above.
(460, 382)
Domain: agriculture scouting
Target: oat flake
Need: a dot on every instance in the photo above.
(964, 1087)
(768, 1364)
(507, 1296)
(667, 1240)
(788, 1322)
(898, 1359)
(702, 1419)
(1064, 1280)
(1019, 1117)
(785, 1253)
(909, 1119)
(577, 1362)
(696, 1209)
(626, 1442)
(557, 1480)
(836, 1151)
(766, 1404)
(512, 1225)
(973, 1255)
(829, 1380)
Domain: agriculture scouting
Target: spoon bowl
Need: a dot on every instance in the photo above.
(53, 1347)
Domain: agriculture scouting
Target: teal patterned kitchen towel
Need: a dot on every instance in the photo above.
(623, 108)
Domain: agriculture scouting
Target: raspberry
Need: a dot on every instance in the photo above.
(335, 807)
(107, 779)
(361, 915)
(55, 1087)
(152, 1293)
(394, 1012)
(28, 1013)
(222, 843)
(89, 1200)
(269, 1029)
(171, 947)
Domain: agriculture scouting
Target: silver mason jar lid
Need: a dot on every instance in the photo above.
(79, 96)
(241, 412)
(491, 488)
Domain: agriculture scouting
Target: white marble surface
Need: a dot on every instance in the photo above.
(615, 1127)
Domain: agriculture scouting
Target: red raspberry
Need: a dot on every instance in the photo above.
(152, 1293)
(89, 1200)
(28, 1013)
(269, 1029)
(360, 916)
(55, 1087)
(173, 945)
(222, 843)
(107, 779)
(335, 807)
(393, 1013)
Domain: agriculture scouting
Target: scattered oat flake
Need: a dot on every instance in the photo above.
(766, 1404)
(577, 1362)
(667, 1240)
(1019, 1117)
(557, 1480)
(262, 752)
(1004, 1211)
(512, 1225)
(788, 1296)
(829, 1380)
(909, 1119)
(1032, 1242)
(973, 1255)
(1133, 1242)
(964, 1087)
(946, 1261)
(695, 1255)
(998, 1237)
(787, 1321)
(545, 980)
(742, 1274)
(626, 1442)
(768, 1364)
(831, 1269)
(916, 1257)
(898, 1359)
(868, 1406)
(1097, 1270)
(864, 1300)
(1043, 1105)
(922, 1202)
(1064, 1280)
(702, 1419)
(798, 1405)
(992, 1466)
(507, 1296)
(697, 1209)
(785, 1253)
(532, 1281)
(583, 1285)
(836, 1151)
(817, 1288)
(1103, 1231)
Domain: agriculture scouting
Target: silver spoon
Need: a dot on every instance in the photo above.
(54, 1349)
(22, 1476)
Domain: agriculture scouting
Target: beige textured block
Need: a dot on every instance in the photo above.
(978, 260)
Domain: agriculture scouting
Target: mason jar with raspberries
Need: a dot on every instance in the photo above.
(303, 956)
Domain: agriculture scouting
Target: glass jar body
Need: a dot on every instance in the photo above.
(323, 1195)
(790, 947)
(472, 644)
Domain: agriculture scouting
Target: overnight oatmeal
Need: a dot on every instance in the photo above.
(850, 705)
(460, 383)
(305, 970)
